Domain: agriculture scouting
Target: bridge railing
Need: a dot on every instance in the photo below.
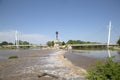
(92, 44)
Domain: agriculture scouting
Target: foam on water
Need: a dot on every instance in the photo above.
(53, 66)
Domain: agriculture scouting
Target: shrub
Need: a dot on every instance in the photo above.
(13, 57)
(108, 70)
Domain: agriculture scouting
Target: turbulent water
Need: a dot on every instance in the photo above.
(34, 65)
(43, 64)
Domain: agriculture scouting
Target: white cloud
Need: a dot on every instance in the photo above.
(32, 38)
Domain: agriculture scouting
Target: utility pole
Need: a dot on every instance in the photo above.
(108, 43)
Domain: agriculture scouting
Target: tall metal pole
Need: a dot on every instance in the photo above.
(109, 34)
(108, 43)
(16, 39)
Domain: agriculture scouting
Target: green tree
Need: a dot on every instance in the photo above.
(4, 43)
(118, 42)
(24, 43)
(78, 42)
(63, 43)
(75, 42)
(50, 43)
(10, 43)
(70, 42)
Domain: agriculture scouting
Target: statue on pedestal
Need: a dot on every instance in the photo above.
(56, 42)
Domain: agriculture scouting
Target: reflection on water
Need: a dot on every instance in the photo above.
(109, 54)
(99, 54)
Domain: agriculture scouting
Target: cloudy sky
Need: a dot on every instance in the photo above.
(32, 38)
(38, 20)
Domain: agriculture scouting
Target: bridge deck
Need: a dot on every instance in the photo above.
(92, 45)
(20, 45)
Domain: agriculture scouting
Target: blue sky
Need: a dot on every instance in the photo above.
(38, 20)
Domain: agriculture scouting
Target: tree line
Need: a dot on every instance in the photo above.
(118, 42)
(10, 43)
(5, 44)
(51, 43)
(79, 42)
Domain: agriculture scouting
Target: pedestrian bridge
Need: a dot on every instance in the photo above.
(71, 46)
(24, 45)
(92, 44)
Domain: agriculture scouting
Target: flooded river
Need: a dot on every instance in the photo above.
(35, 65)
(85, 59)
(100, 54)
(48, 64)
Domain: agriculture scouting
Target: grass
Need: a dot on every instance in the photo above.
(13, 57)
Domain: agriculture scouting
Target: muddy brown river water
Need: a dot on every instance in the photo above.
(36, 65)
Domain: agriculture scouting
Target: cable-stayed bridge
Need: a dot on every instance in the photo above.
(22, 45)
(69, 45)
(72, 46)
(93, 44)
